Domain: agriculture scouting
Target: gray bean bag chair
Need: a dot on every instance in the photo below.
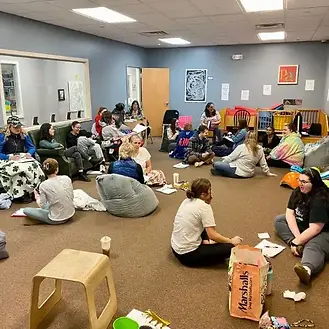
(3, 250)
(125, 197)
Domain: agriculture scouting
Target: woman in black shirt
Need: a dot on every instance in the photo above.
(270, 140)
(305, 226)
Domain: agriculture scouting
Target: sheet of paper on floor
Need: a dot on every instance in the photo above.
(180, 165)
(264, 235)
(297, 297)
(166, 189)
(19, 213)
(270, 249)
(141, 319)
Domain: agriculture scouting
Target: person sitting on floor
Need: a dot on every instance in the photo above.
(182, 142)
(82, 140)
(172, 134)
(55, 197)
(20, 173)
(194, 240)
(305, 225)
(48, 141)
(290, 150)
(212, 119)
(143, 157)
(242, 162)
(270, 140)
(126, 166)
(228, 143)
(199, 151)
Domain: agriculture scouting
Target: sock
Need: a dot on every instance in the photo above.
(307, 269)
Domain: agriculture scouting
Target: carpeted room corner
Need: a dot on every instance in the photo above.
(146, 274)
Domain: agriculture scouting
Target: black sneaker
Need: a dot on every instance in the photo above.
(83, 177)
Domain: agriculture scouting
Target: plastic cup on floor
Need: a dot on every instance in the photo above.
(125, 323)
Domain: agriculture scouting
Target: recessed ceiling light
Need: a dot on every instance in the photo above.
(175, 41)
(103, 14)
(266, 36)
(261, 5)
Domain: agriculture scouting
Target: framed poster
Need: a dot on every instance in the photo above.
(288, 75)
(196, 85)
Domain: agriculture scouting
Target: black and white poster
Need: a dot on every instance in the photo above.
(196, 85)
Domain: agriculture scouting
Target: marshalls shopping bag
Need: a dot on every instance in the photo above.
(247, 274)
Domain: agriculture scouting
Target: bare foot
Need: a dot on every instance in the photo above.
(205, 242)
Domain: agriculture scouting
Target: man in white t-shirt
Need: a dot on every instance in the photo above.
(194, 240)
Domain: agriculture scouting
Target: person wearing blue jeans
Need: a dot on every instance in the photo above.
(224, 169)
(55, 197)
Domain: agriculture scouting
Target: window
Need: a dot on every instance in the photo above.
(10, 93)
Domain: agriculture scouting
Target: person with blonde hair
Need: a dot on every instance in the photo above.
(20, 173)
(142, 156)
(126, 166)
(242, 162)
(54, 197)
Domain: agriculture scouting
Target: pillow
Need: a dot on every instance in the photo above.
(3, 250)
(125, 197)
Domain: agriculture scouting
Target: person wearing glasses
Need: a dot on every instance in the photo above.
(305, 225)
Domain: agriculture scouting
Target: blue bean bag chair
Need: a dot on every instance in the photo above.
(125, 197)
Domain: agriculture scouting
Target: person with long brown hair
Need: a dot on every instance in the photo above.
(98, 120)
(305, 225)
(54, 197)
(242, 162)
(194, 240)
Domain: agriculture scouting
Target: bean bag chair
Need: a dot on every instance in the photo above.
(3, 250)
(125, 197)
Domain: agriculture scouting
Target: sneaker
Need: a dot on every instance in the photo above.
(302, 273)
(83, 177)
(102, 169)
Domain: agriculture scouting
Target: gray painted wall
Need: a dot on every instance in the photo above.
(108, 59)
(259, 67)
(326, 88)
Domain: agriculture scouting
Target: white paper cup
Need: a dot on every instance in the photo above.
(106, 245)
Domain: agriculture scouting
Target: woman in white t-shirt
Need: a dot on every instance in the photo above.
(194, 240)
(55, 197)
(143, 157)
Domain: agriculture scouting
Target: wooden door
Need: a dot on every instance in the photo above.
(155, 96)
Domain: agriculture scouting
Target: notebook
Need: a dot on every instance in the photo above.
(139, 128)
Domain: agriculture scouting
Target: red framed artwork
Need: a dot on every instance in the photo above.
(288, 75)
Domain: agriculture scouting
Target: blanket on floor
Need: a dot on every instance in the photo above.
(82, 201)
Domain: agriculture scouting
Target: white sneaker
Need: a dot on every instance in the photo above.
(102, 168)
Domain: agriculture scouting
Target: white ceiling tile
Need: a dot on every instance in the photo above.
(136, 27)
(72, 4)
(299, 36)
(134, 9)
(158, 21)
(322, 33)
(325, 21)
(109, 3)
(19, 1)
(295, 4)
(27, 7)
(306, 12)
(227, 18)
(266, 17)
(216, 7)
(176, 9)
(193, 20)
(306, 23)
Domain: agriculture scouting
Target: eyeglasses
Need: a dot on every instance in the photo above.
(303, 182)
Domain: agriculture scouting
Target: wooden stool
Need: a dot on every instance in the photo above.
(83, 267)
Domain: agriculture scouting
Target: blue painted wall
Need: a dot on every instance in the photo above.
(259, 67)
(108, 59)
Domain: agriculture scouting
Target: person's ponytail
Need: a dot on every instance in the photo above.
(190, 194)
(198, 187)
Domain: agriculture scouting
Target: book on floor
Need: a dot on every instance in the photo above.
(166, 189)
